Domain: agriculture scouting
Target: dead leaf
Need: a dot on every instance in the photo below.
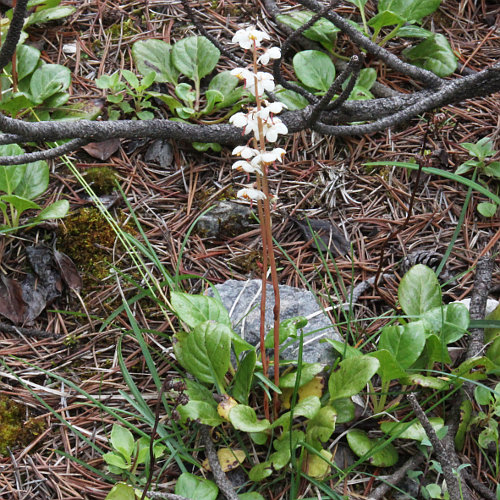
(35, 296)
(328, 237)
(68, 270)
(42, 261)
(12, 305)
(102, 150)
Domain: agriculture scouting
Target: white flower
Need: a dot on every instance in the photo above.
(246, 121)
(273, 129)
(247, 37)
(251, 194)
(245, 166)
(271, 53)
(245, 152)
(275, 107)
(265, 81)
(242, 73)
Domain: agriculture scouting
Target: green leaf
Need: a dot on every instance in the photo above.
(49, 79)
(314, 69)
(213, 97)
(481, 149)
(449, 322)
(244, 419)
(121, 491)
(308, 372)
(466, 166)
(155, 55)
(493, 352)
(185, 92)
(196, 488)
(46, 15)
(19, 203)
(389, 368)
(56, 100)
(405, 343)
(345, 350)
(366, 79)
(362, 445)
(492, 332)
(284, 446)
(205, 146)
(196, 309)
(321, 427)
(56, 210)
(27, 58)
(205, 351)
(487, 209)
(419, 291)
(201, 405)
(288, 329)
(131, 79)
(291, 99)
(145, 115)
(436, 350)
(116, 460)
(260, 471)
(488, 435)
(251, 495)
(122, 440)
(227, 84)
(352, 377)
(35, 180)
(433, 54)
(474, 368)
(411, 31)
(195, 57)
(322, 31)
(360, 4)
(243, 378)
(410, 10)
(385, 18)
(493, 169)
(11, 175)
(345, 410)
(413, 431)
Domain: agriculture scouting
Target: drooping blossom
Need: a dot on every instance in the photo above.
(270, 53)
(246, 38)
(245, 166)
(245, 152)
(251, 194)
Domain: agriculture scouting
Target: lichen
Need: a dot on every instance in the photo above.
(14, 430)
(101, 180)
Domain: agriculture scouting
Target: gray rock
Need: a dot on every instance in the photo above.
(226, 219)
(160, 151)
(242, 300)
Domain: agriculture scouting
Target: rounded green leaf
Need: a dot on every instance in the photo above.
(115, 460)
(260, 471)
(56, 210)
(205, 351)
(50, 14)
(27, 58)
(308, 372)
(375, 451)
(244, 419)
(292, 100)
(405, 343)
(389, 368)
(321, 427)
(419, 291)
(414, 430)
(243, 378)
(410, 10)
(352, 377)
(194, 487)
(487, 209)
(449, 322)
(195, 57)
(121, 491)
(314, 69)
(196, 309)
(35, 180)
(49, 79)
(122, 440)
(19, 203)
(155, 55)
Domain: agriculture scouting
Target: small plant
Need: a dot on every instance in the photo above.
(132, 87)
(433, 53)
(22, 184)
(481, 151)
(125, 458)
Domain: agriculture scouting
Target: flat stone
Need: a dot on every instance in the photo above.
(242, 300)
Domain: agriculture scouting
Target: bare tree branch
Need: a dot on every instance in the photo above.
(47, 154)
(12, 37)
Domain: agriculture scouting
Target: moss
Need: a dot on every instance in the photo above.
(101, 179)
(88, 239)
(14, 430)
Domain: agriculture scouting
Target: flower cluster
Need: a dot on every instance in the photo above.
(261, 120)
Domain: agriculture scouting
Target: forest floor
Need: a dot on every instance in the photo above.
(322, 178)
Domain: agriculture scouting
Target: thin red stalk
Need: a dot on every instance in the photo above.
(267, 242)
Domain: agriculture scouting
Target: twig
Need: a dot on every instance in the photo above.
(220, 478)
(47, 154)
(31, 332)
(12, 37)
(452, 478)
(396, 477)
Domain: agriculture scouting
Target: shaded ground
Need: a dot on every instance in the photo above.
(323, 178)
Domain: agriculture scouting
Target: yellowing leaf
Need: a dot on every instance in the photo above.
(315, 466)
(229, 459)
(313, 388)
(225, 406)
